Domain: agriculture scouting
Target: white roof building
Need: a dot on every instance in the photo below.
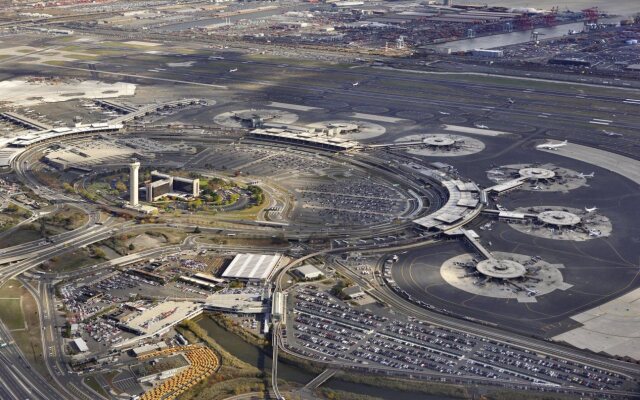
(253, 267)
(80, 345)
(308, 271)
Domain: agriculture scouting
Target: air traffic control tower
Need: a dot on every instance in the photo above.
(134, 167)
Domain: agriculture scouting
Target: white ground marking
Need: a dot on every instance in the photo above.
(297, 107)
(476, 131)
(622, 165)
(379, 118)
(23, 93)
(611, 327)
(148, 44)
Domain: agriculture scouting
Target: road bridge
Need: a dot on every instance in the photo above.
(320, 379)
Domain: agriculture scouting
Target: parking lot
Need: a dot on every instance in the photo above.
(326, 328)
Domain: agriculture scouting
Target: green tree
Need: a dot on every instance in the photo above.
(99, 253)
(121, 187)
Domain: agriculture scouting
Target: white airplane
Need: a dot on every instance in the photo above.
(594, 232)
(355, 83)
(233, 70)
(444, 113)
(590, 210)
(510, 100)
(481, 126)
(611, 133)
(551, 146)
(591, 175)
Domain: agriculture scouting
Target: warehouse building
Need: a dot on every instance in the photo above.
(307, 272)
(251, 267)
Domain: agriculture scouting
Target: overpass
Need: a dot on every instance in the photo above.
(320, 379)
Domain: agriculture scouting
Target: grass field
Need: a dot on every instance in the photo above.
(21, 235)
(93, 384)
(11, 312)
(18, 309)
(70, 261)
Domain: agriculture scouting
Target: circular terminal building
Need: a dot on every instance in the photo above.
(563, 223)
(439, 142)
(559, 219)
(544, 178)
(439, 145)
(535, 174)
(501, 269)
(504, 275)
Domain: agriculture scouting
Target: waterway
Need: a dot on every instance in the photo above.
(507, 39)
(612, 7)
(261, 359)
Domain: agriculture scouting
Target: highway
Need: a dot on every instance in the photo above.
(53, 344)
(19, 380)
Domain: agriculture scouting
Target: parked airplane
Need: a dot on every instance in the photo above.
(444, 113)
(355, 83)
(510, 100)
(590, 210)
(552, 146)
(233, 70)
(612, 134)
(594, 232)
(481, 126)
(591, 175)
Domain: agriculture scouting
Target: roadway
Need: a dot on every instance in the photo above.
(18, 380)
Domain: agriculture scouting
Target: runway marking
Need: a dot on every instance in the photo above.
(379, 118)
(476, 131)
(521, 78)
(152, 78)
(621, 165)
(296, 107)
